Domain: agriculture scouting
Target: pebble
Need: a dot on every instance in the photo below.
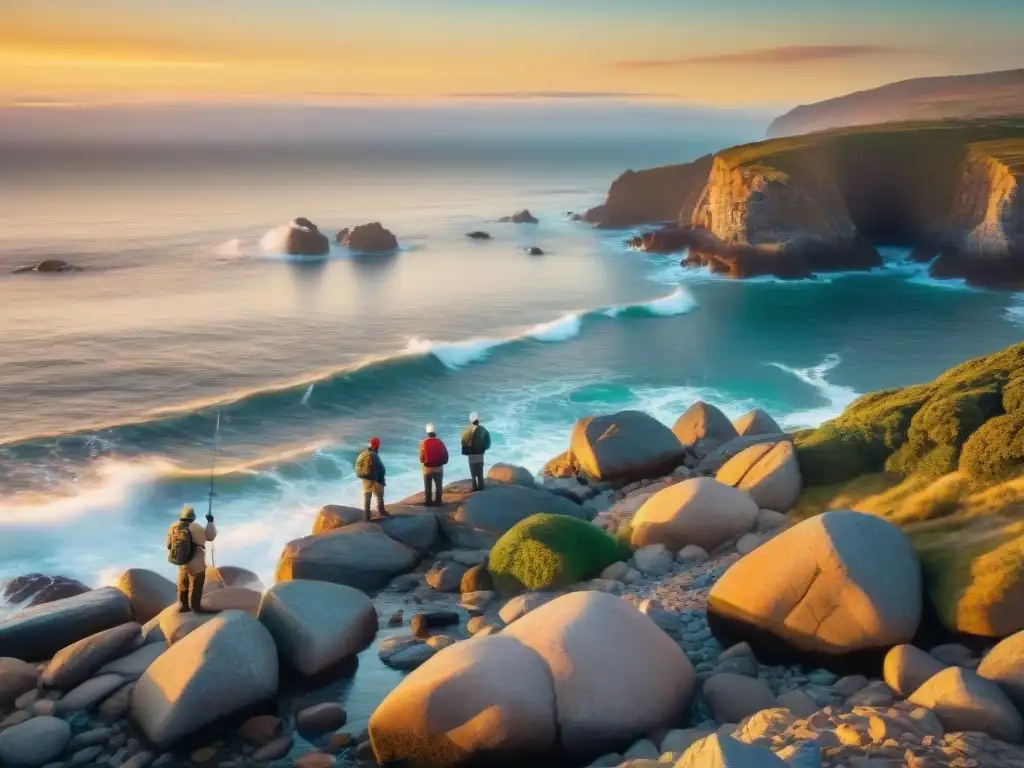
(822, 677)
(86, 755)
(274, 750)
(204, 755)
(320, 718)
(397, 618)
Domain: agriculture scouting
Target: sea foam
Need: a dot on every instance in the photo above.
(838, 396)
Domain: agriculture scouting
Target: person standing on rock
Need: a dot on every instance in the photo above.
(476, 441)
(186, 547)
(433, 457)
(370, 469)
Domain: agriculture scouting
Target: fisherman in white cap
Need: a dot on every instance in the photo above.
(433, 457)
(476, 440)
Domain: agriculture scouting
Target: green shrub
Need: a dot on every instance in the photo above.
(954, 422)
(548, 552)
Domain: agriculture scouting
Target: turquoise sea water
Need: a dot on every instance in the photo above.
(111, 379)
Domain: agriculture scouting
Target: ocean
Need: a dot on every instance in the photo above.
(112, 379)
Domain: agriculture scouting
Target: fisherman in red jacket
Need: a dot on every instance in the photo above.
(433, 457)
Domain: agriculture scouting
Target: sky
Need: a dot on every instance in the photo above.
(719, 53)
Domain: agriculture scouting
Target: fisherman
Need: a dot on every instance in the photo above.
(476, 441)
(433, 457)
(186, 548)
(370, 469)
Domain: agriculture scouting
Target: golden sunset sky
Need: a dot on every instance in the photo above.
(730, 53)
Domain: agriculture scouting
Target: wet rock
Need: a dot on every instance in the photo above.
(446, 578)
(261, 729)
(519, 217)
(405, 652)
(369, 238)
(422, 623)
(397, 618)
(47, 266)
(535, 251)
(477, 601)
(478, 235)
(274, 750)
(301, 237)
(476, 579)
(37, 633)
(320, 719)
(33, 743)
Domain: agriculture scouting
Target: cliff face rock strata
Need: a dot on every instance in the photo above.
(983, 240)
(795, 207)
(655, 194)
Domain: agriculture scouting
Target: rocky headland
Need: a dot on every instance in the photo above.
(989, 94)
(794, 207)
(704, 594)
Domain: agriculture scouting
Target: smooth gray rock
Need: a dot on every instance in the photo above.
(480, 519)
(132, 666)
(963, 701)
(80, 661)
(33, 743)
(511, 474)
(224, 666)
(147, 591)
(415, 528)
(405, 652)
(36, 634)
(16, 677)
(316, 624)
(360, 555)
(90, 693)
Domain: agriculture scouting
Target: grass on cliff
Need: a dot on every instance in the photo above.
(970, 419)
(549, 552)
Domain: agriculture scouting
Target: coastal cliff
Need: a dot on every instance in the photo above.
(655, 194)
(796, 206)
(984, 236)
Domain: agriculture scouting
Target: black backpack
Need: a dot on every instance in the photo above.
(181, 548)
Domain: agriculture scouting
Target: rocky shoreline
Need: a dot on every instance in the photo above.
(657, 595)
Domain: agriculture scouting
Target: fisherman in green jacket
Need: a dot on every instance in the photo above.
(476, 441)
(370, 469)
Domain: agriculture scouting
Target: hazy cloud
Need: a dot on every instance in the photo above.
(554, 95)
(781, 55)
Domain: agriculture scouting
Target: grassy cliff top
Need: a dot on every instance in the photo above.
(970, 419)
(1004, 135)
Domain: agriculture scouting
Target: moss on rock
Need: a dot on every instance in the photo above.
(547, 552)
(968, 419)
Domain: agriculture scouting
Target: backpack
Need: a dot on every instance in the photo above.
(479, 441)
(364, 465)
(180, 546)
(434, 452)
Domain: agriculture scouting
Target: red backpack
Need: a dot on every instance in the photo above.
(433, 452)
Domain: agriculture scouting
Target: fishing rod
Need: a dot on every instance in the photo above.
(213, 472)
